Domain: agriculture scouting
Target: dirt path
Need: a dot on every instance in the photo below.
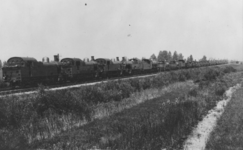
(198, 139)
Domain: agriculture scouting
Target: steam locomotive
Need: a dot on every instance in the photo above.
(27, 70)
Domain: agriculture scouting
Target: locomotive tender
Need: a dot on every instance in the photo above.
(27, 70)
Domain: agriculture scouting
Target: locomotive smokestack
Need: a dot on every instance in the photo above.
(117, 58)
(92, 58)
(45, 59)
(56, 58)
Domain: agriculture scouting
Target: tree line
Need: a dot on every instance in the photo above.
(167, 56)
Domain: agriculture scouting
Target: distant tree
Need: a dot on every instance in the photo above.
(180, 56)
(169, 58)
(163, 55)
(0, 64)
(153, 57)
(204, 58)
(175, 56)
(190, 58)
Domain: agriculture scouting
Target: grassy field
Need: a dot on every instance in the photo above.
(114, 114)
(132, 128)
(162, 122)
(228, 134)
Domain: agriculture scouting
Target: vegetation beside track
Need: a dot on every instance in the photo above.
(40, 117)
(163, 122)
(228, 133)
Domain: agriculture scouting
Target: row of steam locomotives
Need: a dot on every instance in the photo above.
(27, 70)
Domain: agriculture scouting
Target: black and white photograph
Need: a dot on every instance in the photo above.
(121, 75)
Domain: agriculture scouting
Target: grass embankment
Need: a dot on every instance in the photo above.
(228, 134)
(41, 116)
(34, 117)
(163, 122)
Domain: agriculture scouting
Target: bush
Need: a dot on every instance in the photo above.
(136, 84)
(14, 141)
(12, 113)
(220, 88)
(229, 69)
(181, 115)
(193, 92)
(60, 103)
(210, 74)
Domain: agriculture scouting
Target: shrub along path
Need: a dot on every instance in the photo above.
(130, 129)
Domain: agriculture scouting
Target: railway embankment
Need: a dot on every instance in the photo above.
(114, 114)
(19, 91)
(70, 86)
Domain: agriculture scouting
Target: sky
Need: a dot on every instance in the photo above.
(111, 28)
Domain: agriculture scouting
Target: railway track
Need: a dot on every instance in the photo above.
(16, 92)
(31, 90)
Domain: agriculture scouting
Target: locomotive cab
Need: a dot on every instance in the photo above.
(11, 75)
(17, 69)
(157, 66)
(154, 64)
(136, 64)
(110, 67)
(76, 68)
(70, 66)
(127, 65)
(182, 63)
(174, 64)
(147, 64)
